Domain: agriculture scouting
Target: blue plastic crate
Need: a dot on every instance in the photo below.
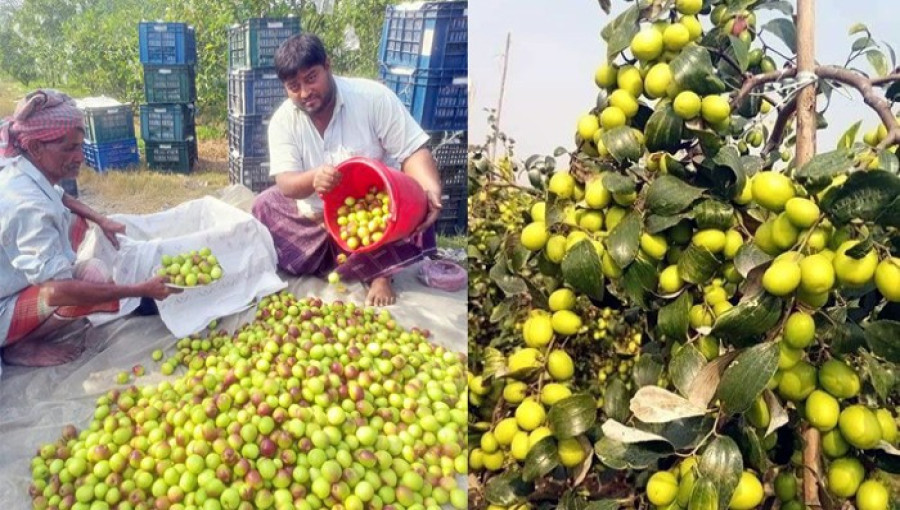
(254, 92)
(167, 122)
(105, 156)
(429, 35)
(438, 100)
(248, 136)
(253, 43)
(167, 43)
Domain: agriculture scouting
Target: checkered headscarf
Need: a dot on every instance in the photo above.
(42, 115)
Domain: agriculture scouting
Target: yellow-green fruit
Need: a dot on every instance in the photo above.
(763, 238)
(758, 415)
(505, 430)
(623, 100)
(530, 414)
(711, 239)
(699, 316)
(534, 236)
(860, 427)
(781, 278)
(687, 105)
(606, 74)
(609, 267)
(555, 248)
(538, 329)
(537, 434)
(670, 280)
(647, 44)
(612, 117)
(844, 476)
(772, 190)
(552, 393)
(822, 410)
(578, 192)
(587, 126)
(798, 382)
(571, 453)
(630, 79)
(802, 212)
(519, 446)
(887, 279)
(816, 274)
(732, 275)
(676, 36)
(489, 443)
(662, 488)
(524, 359)
(476, 386)
(561, 299)
(693, 25)
(613, 216)
(592, 221)
(562, 184)
(685, 487)
(688, 6)
(839, 379)
(872, 495)
(714, 295)
(784, 233)
(654, 245)
(493, 461)
(786, 487)
(539, 211)
(574, 238)
(834, 445)
(715, 109)
(660, 76)
(560, 365)
(787, 356)
(733, 242)
(748, 494)
(514, 392)
(799, 330)
(476, 459)
(625, 199)
(721, 308)
(595, 195)
(709, 347)
(888, 425)
(812, 300)
(746, 194)
(853, 272)
(566, 322)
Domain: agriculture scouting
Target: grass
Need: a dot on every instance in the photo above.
(452, 242)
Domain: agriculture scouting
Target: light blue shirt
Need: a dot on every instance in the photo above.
(34, 234)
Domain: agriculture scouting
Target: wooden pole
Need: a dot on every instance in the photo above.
(806, 149)
(500, 100)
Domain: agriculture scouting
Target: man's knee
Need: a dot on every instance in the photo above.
(93, 270)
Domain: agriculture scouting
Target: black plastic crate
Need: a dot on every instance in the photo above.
(454, 213)
(253, 43)
(450, 151)
(171, 156)
(254, 92)
(170, 84)
(108, 123)
(167, 122)
(166, 43)
(248, 136)
(250, 172)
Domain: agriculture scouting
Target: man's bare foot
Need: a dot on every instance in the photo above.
(43, 353)
(380, 292)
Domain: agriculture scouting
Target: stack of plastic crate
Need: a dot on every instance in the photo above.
(169, 53)
(254, 93)
(423, 58)
(109, 141)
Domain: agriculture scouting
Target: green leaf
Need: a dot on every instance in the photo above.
(652, 404)
(494, 363)
(618, 455)
(509, 284)
(725, 172)
(887, 161)
(685, 365)
(741, 51)
(640, 279)
(881, 336)
(669, 195)
(571, 501)
(618, 183)
(848, 138)
(862, 43)
(554, 210)
(692, 69)
(559, 151)
(753, 450)
(542, 458)
(620, 31)
(713, 213)
(746, 377)
(622, 144)
(672, 320)
(656, 223)
(623, 242)
(785, 30)
(664, 130)
(507, 489)
(752, 164)
(605, 5)
(866, 196)
(881, 375)
(749, 257)
(581, 270)
(697, 264)
(572, 416)
(722, 463)
(860, 249)
(749, 319)
(857, 28)
(893, 92)
(516, 254)
(646, 371)
(603, 504)
(878, 61)
(818, 172)
(615, 400)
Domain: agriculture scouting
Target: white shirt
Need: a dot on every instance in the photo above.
(368, 120)
(34, 234)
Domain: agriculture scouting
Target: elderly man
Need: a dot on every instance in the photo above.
(326, 120)
(41, 287)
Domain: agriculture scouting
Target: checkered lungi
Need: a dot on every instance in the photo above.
(304, 247)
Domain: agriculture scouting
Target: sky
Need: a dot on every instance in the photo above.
(556, 47)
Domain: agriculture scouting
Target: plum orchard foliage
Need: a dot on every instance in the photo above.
(91, 47)
(661, 322)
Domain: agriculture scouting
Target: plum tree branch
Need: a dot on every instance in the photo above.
(784, 116)
(759, 80)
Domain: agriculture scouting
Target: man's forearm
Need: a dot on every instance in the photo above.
(296, 185)
(422, 167)
(82, 293)
(81, 209)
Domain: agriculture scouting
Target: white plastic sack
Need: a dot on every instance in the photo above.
(242, 244)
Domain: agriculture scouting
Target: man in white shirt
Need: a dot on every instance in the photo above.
(42, 289)
(325, 120)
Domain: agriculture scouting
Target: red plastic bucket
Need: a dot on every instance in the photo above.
(409, 205)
